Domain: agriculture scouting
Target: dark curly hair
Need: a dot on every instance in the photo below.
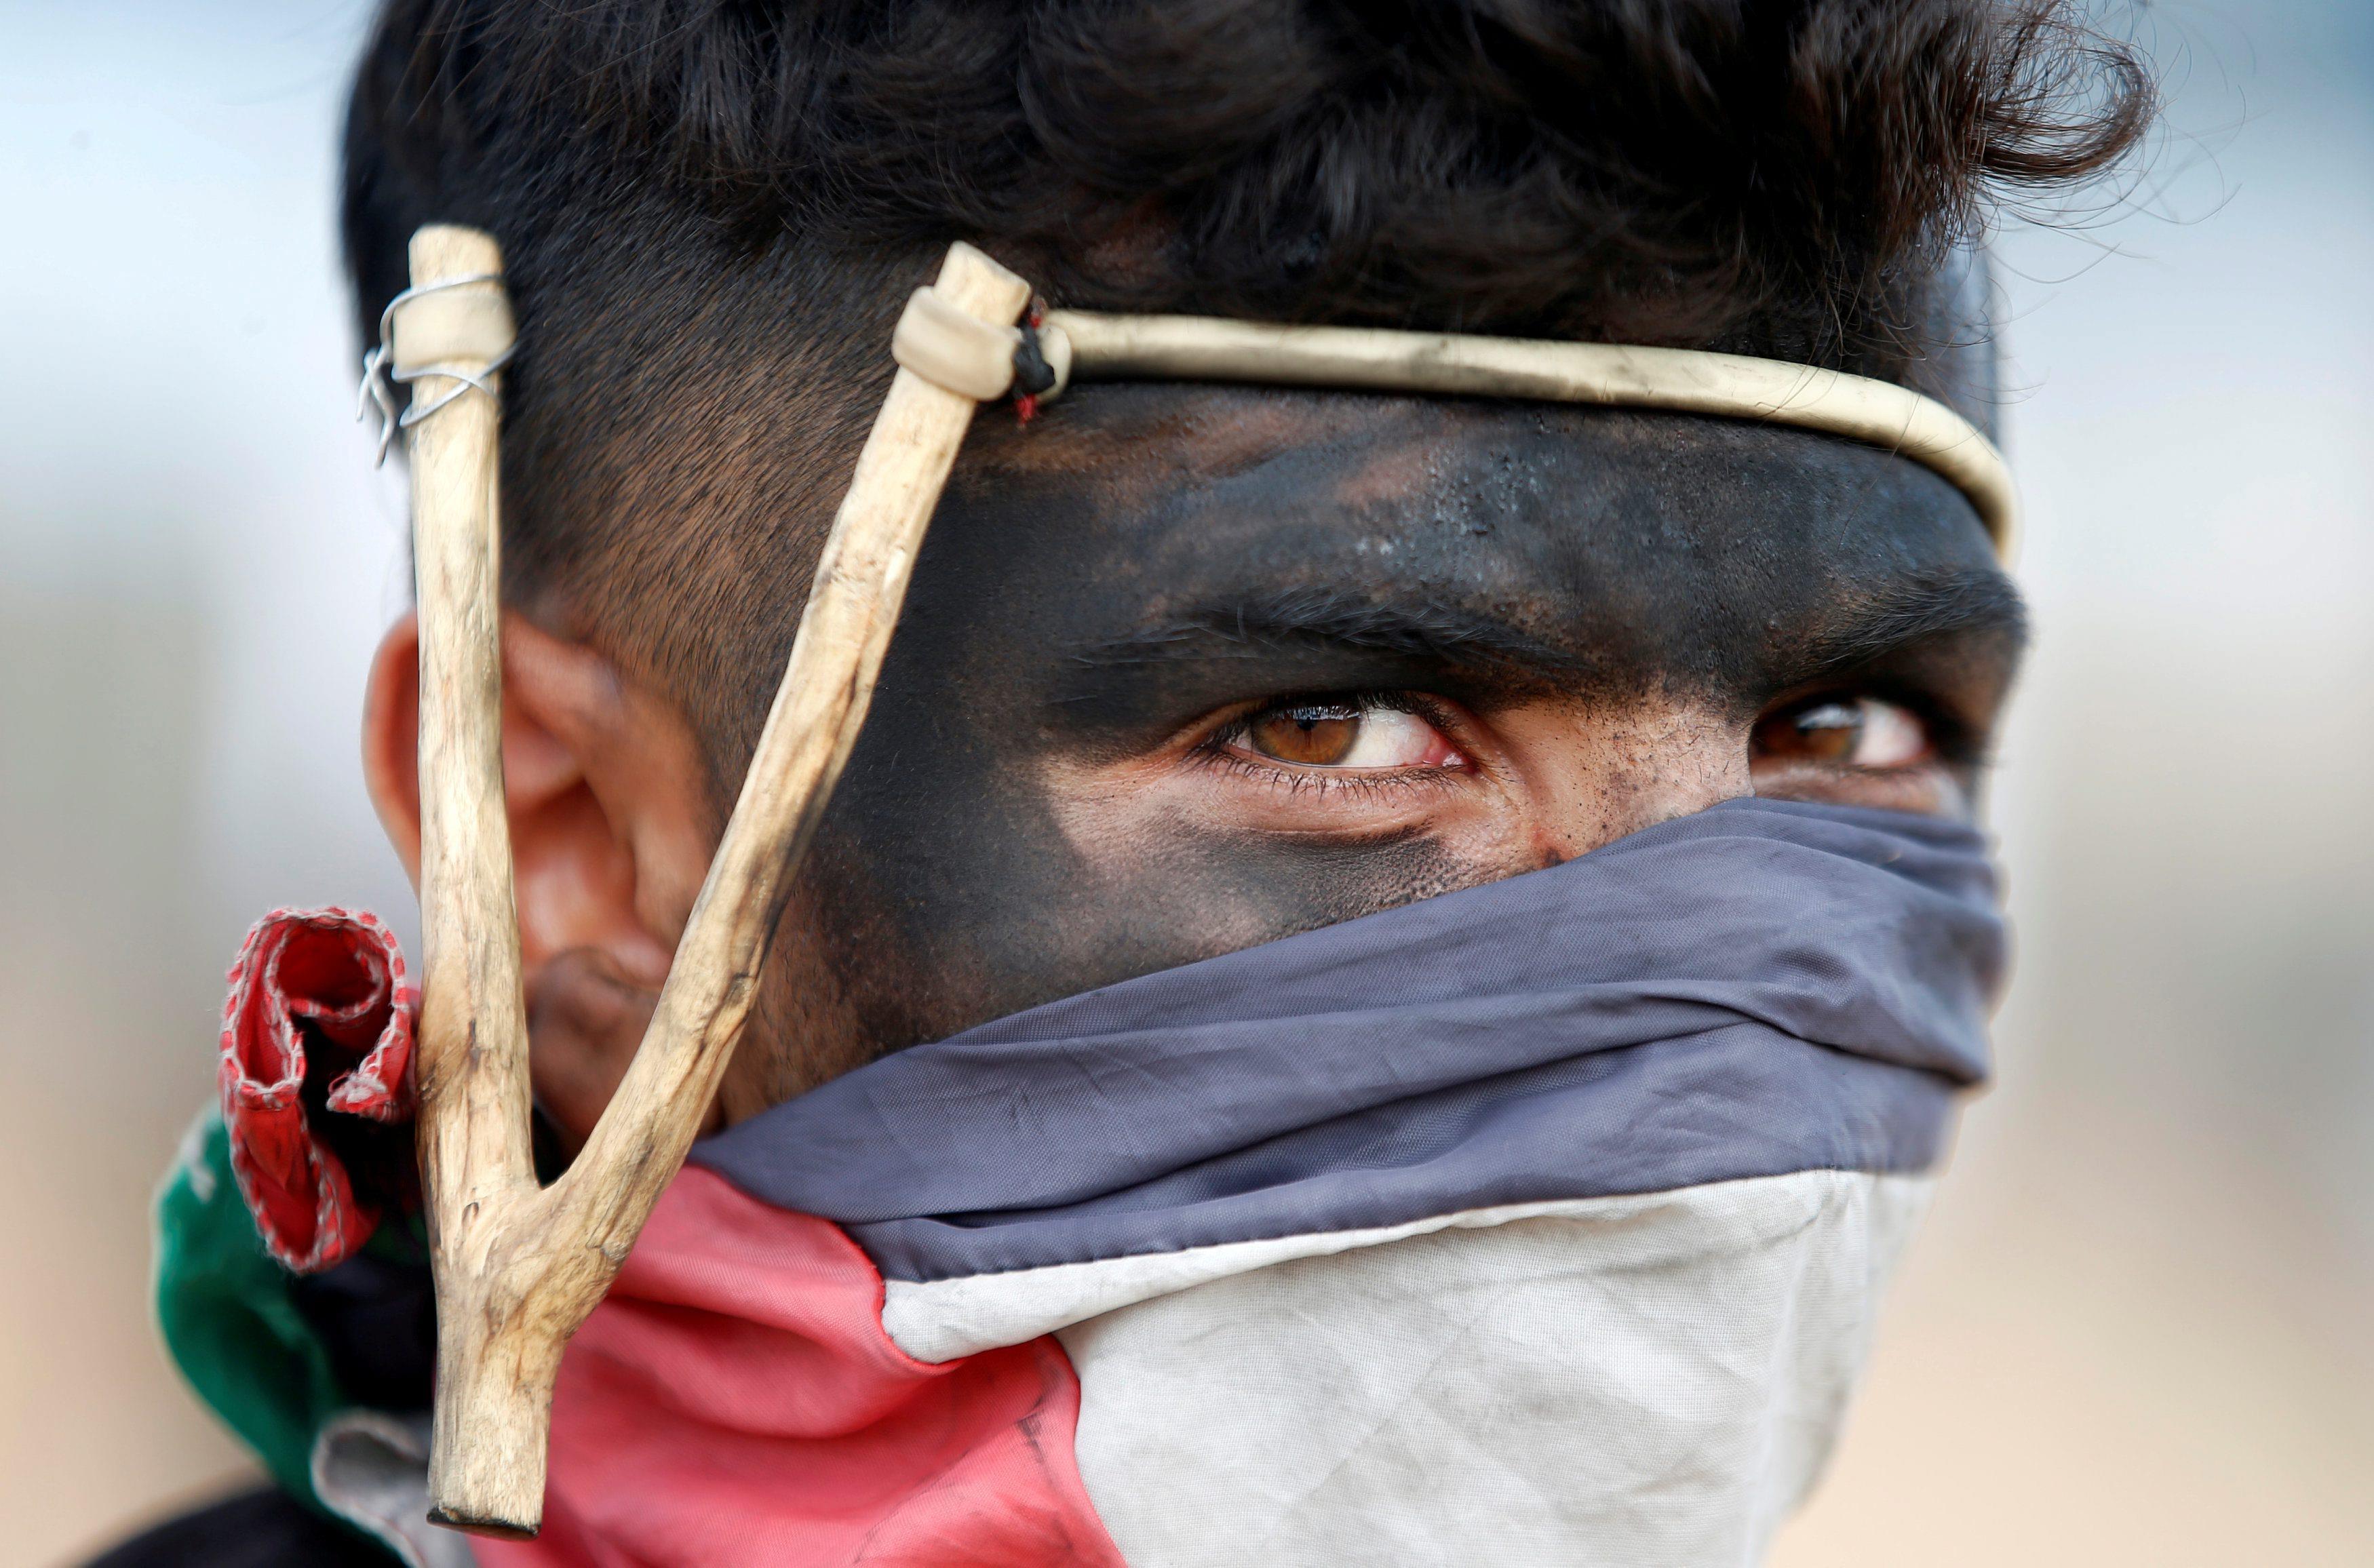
(705, 202)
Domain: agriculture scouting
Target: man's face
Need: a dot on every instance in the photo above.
(1188, 668)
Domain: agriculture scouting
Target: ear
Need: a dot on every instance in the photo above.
(611, 835)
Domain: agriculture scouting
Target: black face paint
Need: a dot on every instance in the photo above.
(1142, 556)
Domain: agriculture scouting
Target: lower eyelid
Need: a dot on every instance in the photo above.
(1361, 780)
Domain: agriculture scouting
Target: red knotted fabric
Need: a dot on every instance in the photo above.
(316, 1077)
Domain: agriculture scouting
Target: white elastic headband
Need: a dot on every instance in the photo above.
(968, 355)
(1680, 380)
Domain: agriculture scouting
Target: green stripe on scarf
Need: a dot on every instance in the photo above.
(225, 1309)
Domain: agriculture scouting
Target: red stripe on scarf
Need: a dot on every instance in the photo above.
(735, 1400)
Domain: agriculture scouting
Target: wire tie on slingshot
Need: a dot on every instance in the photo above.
(380, 371)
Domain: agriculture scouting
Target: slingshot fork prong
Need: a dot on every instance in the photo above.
(518, 1268)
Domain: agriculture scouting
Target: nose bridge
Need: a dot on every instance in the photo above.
(1595, 771)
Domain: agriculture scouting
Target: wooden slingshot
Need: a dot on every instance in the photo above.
(517, 1266)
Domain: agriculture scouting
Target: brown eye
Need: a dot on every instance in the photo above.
(1837, 731)
(1344, 733)
(1309, 734)
(1824, 732)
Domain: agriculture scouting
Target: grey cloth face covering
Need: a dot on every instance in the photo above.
(1763, 987)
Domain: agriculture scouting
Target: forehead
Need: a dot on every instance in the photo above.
(1612, 536)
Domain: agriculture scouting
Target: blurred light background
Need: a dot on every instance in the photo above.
(2135, 1332)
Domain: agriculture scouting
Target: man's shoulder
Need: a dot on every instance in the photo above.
(265, 1528)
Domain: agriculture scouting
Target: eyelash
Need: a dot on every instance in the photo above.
(1214, 749)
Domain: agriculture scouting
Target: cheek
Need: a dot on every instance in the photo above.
(1225, 861)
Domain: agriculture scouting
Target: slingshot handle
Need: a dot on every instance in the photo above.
(471, 1061)
(518, 1268)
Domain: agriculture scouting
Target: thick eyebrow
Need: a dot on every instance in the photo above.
(1923, 607)
(1416, 631)
(1324, 619)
